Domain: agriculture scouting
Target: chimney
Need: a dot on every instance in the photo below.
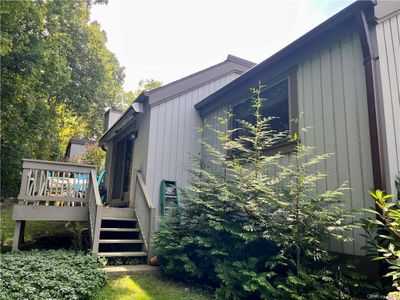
(110, 117)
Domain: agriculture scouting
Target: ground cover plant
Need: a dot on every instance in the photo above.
(49, 274)
(253, 227)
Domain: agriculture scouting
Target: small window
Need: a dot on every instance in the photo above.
(276, 104)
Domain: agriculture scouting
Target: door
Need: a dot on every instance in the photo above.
(119, 155)
(127, 168)
(122, 168)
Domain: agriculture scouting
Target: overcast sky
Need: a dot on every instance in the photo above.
(167, 40)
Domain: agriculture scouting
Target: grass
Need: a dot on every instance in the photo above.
(145, 287)
(55, 235)
(38, 234)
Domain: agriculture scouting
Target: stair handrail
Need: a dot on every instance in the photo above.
(145, 212)
(95, 211)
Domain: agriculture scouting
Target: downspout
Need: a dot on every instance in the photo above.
(372, 101)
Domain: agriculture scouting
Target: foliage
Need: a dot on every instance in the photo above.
(80, 235)
(149, 287)
(49, 275)
(144, 85)
(383, 234)
(93, 155)
(252, 226)
(57, 77)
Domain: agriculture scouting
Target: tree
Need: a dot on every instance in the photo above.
(57, 77)
(144, 85)
(253, 227)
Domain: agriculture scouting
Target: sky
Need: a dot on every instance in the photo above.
(168, 40)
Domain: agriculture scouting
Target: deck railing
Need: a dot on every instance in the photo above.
(145, 212)
(95, 211)
(48, 183)
(54, 183)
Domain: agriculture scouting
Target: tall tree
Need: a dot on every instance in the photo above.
(57, 76)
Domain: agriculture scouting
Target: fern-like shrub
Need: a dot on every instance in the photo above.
(63, 275)
(383, 234)
(252, 227)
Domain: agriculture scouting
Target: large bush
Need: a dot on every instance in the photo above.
(49, 275)
(253, 227)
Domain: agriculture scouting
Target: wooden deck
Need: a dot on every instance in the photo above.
(56, 191)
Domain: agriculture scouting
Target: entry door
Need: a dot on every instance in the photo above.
(122, 168)
(119, 155)
(127, 168)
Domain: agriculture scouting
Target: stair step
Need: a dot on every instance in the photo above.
(118, 212)
(119, 218)
(122, 254)
(120, 229)
(121, 241)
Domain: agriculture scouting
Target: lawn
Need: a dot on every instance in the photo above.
(38, 234)
(55, 235)
(145, 287)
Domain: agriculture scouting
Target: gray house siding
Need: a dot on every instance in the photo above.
(332, 102)
(173, 137)
(76, 150)
(140, 150)
(332, 98)
(388, 40)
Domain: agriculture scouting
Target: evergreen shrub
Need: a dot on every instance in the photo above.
(252, 226)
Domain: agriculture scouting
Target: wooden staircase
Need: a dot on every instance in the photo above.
(120, 234)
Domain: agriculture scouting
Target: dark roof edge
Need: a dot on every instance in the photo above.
(231, 58)
(114, 109)
(293, 47)
(121, 122)
(81, 141)
(240, 61)
(144, 96)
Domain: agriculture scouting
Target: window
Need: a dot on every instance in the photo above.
(277, 104)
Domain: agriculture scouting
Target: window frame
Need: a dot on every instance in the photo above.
(285, 145)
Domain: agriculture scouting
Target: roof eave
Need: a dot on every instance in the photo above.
(134, 109)
(291, 49)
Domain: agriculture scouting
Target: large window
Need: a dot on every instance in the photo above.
(276, 104)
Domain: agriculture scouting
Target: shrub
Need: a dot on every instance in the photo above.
(49, 275)
(383, 234)
(253, 233)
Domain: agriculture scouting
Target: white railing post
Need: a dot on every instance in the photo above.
(152, 224)
(133, 186)
(24, 183)
(145, 213)
(96, 202)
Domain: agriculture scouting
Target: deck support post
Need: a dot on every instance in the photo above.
(19, 231)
